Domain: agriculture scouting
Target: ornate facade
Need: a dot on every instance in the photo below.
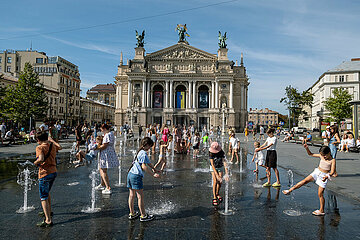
(181, 85)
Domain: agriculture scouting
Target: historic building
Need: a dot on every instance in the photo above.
(105, 93)
(181, 84)
(263, 117)
(345, 76)
(93, 112)
(60, 77)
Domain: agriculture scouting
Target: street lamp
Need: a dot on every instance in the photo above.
(224, 110)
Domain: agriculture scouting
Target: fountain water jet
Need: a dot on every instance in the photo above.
(92, 209)
(26, 179)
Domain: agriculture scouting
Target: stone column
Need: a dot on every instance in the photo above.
(231, 94)
(171, 95)
(212, 95)
(166, 105)
(129, 94)
(242, 96)
(120, 96)
(143, 94)
(194, 95)
(189, 105)
(148, 103)
(216, 94)
(117, 97)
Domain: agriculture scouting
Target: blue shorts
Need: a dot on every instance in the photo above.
(45, 185)
(90, 157)
(134, 181)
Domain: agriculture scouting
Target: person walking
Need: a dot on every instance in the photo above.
(262, 132)
(108, 158)
(45, 160)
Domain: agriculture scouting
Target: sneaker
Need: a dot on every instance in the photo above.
(275, 184)
(100, 187)
(106, 191)
(134, 216)
(146, 218)
(266, 184)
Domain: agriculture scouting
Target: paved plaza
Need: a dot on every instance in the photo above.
(181, 201)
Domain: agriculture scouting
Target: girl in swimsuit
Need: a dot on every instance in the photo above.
(320, 175)
(162, 155)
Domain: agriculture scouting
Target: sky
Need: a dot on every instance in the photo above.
(284, 42)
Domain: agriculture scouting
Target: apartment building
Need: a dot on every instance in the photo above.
(56, 73)
(263, 117)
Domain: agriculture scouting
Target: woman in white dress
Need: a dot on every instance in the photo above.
(108, 158)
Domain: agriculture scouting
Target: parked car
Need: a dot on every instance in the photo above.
(299, 130)
(316, 130)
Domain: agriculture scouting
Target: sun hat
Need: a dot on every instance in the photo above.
(215, 147)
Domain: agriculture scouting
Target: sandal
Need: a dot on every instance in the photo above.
(215, 202)
(318, 213)
(43, 224)
(219, 198)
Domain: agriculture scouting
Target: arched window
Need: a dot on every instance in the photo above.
(180, 96)
(203, 97)
(158, 96)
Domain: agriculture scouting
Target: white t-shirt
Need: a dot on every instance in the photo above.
(325, 132)
(261, 130)
(358, 143)
(271, 140)
(234, 142)
(259, 155)
(351, 142)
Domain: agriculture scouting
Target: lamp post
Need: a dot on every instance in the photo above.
(223, 109)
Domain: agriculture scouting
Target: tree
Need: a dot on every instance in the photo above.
(295, 101)
(27, 98)
(339, 106)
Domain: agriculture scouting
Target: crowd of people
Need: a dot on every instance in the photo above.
(100, 141)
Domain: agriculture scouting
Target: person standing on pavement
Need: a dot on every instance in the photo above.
(325, 134)
(108, 158)
(45, 160)
(333, 140)
(271, 158)
(2, 132)
(262, 131)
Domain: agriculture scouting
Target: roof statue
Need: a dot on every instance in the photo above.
(182, 32)
(222, 39)
(140, 39)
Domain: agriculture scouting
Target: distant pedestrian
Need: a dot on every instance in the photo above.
(271, 158)
(325, 135)
(2, 132)
(45, 160)
(333, 140)
(234, 145)
(246, 132)
(320, 175)
(135, 176)
(262, 132)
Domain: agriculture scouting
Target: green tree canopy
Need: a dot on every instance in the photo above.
(339, 106)
(27, 98)
(295, 101)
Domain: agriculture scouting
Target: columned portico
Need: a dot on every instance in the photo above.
(182, 84)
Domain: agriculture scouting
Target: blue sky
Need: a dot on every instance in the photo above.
(284, 42)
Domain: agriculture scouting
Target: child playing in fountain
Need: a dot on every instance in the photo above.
(135, 180)
(196, 144)
(91, 155)
(45, 160)
(271, 158)
(162, 155)
(259, 156)
(321, 175)
(217, 165)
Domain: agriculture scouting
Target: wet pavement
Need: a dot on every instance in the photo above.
(181, 202)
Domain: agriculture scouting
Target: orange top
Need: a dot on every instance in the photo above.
(49, 166)
(326, 165)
